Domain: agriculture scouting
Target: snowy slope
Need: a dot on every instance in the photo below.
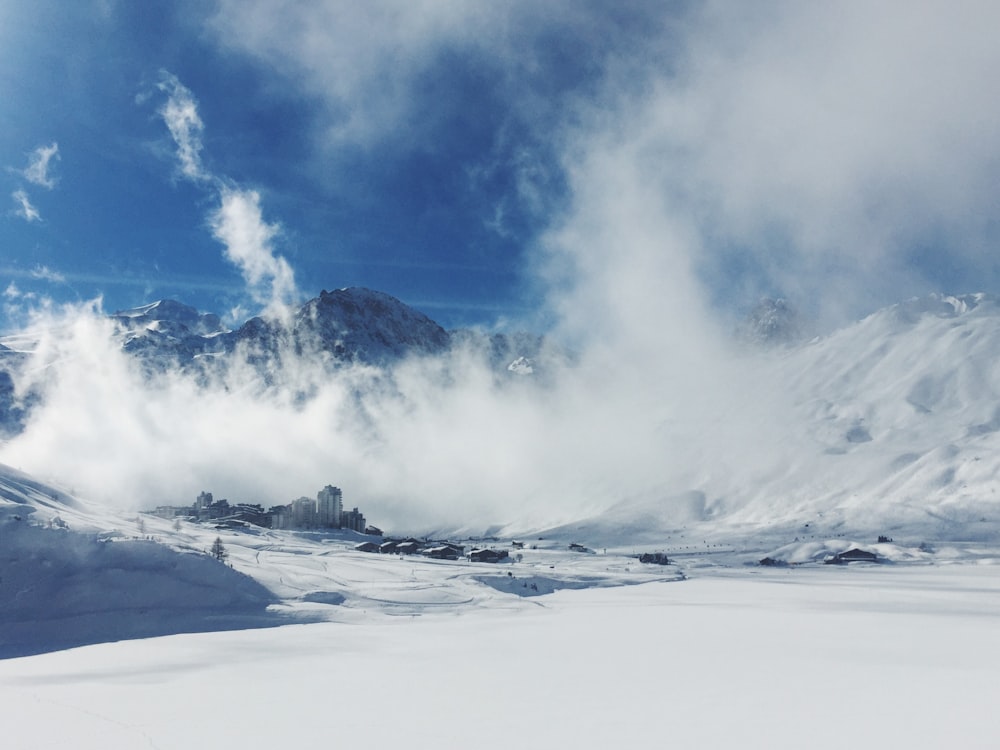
(891, 426)
(900, 416)
(74, 573)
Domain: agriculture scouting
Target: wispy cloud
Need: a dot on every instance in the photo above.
(24, 207)
(44, 273)
(238, 223)
(37, 171)
(180, 113)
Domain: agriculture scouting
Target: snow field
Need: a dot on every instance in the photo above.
(794, 658)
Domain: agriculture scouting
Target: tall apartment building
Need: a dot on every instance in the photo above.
(304, 513)
(329, 506)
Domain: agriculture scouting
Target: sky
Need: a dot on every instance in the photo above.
(477, 160)
(628, 178)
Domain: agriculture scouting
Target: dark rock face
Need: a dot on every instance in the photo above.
(14, 408)
(366, 326)
(772, 322)
(345, 326)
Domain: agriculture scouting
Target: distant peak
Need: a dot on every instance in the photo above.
(772, 321)
(940, 305)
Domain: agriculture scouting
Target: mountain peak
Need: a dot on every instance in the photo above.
(175, 314)
(372, 326)
(772, 321)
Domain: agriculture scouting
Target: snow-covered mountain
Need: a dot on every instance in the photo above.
(367, 325)
(891, 425)
(170, 331)
(352, 325)
(771, 322)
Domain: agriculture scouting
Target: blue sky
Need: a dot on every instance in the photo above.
(501, 163)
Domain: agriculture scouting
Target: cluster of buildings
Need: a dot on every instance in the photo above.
(325, 512)
(436, 550)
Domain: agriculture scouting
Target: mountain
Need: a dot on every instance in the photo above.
(167, 333)
(365, 325)
(890, 425)
(345, 326)
(772, 322)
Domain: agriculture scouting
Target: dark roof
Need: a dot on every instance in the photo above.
(857, 554)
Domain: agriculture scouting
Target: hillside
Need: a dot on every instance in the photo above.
(74, 573)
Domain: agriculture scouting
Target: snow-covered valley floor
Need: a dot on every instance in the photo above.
(122, 632)
(424, 654)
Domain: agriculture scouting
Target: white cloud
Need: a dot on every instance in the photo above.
(37, 171)
(826, 141)
(24, 207)
(239, 224)
(809, 143)
(180, 113)
(372, 64)
(47, 274)
(360, 58)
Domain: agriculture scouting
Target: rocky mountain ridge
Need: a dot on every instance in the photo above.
(344, 326)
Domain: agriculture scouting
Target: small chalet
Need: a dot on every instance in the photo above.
(488, 555)
(852, 555)
(770, 562)
(368, 547)
(654, 558)
(442, 552)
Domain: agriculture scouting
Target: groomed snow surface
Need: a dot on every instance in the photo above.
(378, 649)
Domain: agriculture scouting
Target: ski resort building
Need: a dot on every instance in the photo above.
(329, 509)
(353, 520)
(325, 512)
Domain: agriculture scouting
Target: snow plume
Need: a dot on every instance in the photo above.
(37, 171)
(135, 439)
(25, 209)
(238, 224)
(180, 114)
(438, 442)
